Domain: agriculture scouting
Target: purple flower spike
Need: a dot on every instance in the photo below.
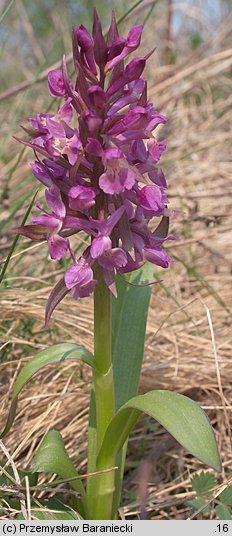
(99, 163)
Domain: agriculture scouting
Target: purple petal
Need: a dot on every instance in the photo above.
(79, 275)
(83, 37)
(130, 96)
(49, 221)
(111, 153)
(82, 197)
(99, 246)
(94, 147)
(132, 264)
(40, 173)
(65, 113)
(157, 176)
(114, 219)
(134, 69)
(113, 258)
(83, 292)
(54, 202)
(56, 170)
(97, 97)
(150, 198)
(116, 48)
(134, 36)
(58, 246)
(138, 242)
(85, 42)
(158, 256)
(93, 122)
(78, 223)
(139, 150)
(55, 129)
(100, 50)
(120, 52)
(116, 182)
(56, 84)
(156, 149)
(73, 147)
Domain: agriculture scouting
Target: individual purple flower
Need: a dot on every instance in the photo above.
(118, 175)
(150, 198)
(98, 158)
(56, 84)
(79, 279)
(58, 246)
(82, 197)
(122, 48)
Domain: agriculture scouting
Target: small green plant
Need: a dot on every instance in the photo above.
(204, 485)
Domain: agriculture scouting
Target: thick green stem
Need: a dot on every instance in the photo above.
(101, 504)
(103, 376)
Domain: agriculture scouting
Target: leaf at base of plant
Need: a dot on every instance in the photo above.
(203, 483)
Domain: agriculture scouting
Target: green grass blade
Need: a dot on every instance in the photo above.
(4, 13)
(16, 238)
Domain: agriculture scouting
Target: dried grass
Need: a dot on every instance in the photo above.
(188, 343)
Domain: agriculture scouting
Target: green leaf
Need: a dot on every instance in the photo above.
(196, 504)
(223, 512)
(53, 508)
(54, 354)
(52, 457)
(226, 496)
(5, 481)
(203, 483)
(130, 311)
(181, 416)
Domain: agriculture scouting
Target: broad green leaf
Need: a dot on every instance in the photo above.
(54, 354)
(203, 483)
(52, 457)
(130, 311)
(223, 512)
(226, 496)
(182, 417)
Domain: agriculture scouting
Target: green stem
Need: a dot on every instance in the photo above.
(101, 503)
(103, 376)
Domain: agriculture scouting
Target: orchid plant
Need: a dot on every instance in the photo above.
(97, 158)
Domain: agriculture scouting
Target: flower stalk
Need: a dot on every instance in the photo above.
(103, 374)
(103, 383)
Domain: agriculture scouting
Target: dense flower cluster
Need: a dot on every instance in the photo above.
(99, 162)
